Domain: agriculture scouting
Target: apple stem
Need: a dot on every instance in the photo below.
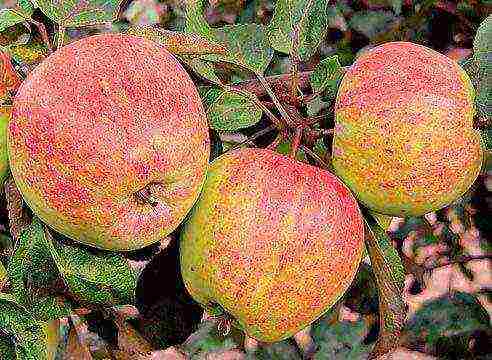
(285, 116)
(250, 344)
(296, 141)
(253, 137)
(144, 196)
(44, 34)
(305, 342)
(272, 146)
(224, 324)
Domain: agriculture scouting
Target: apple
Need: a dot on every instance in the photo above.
(108, 141)
(272, 242)
(404, 141)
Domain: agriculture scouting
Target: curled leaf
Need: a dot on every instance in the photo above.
(177, 42)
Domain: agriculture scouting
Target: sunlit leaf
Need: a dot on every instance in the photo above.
(177, 42)
(11, 17)
(76, 13)
(306, 19)
(246, 45)
(3, 276)
(195, 21)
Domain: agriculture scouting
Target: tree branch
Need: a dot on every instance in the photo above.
(460, 260)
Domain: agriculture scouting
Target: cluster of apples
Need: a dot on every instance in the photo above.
(109, 145)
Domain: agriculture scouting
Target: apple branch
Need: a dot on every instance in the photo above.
(276, 82)
(296, 141)
(44, 34)
(18, 218)
(253, 137)
(287, 119)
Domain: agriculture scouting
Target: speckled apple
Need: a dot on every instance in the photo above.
(108, 141)
(404, 141)
(272, 242)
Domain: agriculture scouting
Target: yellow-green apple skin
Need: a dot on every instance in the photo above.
(108, 141)
(271, 241)
(404, 141)
(4, 160)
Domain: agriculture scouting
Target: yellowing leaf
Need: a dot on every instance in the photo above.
(177, 42)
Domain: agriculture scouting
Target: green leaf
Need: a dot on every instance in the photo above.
(390, 277)
(195, 21)
(95, 276)
(207, 339)
(482, 44)
(7, 349)
(450, 319)
(26, 6)
(341, 340)
(326, 75)
(283, 350)
(397, 5)
(177, 42)
(285, 148)
(28, 336)
(29, 53)
(11, 17)
(231, 110)
(372, 23)
(307, 19)
(482, 55)
(246, 44)
(33, 275)
(201, 67)
(76, 13)
(383, 220)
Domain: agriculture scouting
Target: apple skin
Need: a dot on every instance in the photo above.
(404, 141)
(4, 161)
(94, 124)
(272, 241)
